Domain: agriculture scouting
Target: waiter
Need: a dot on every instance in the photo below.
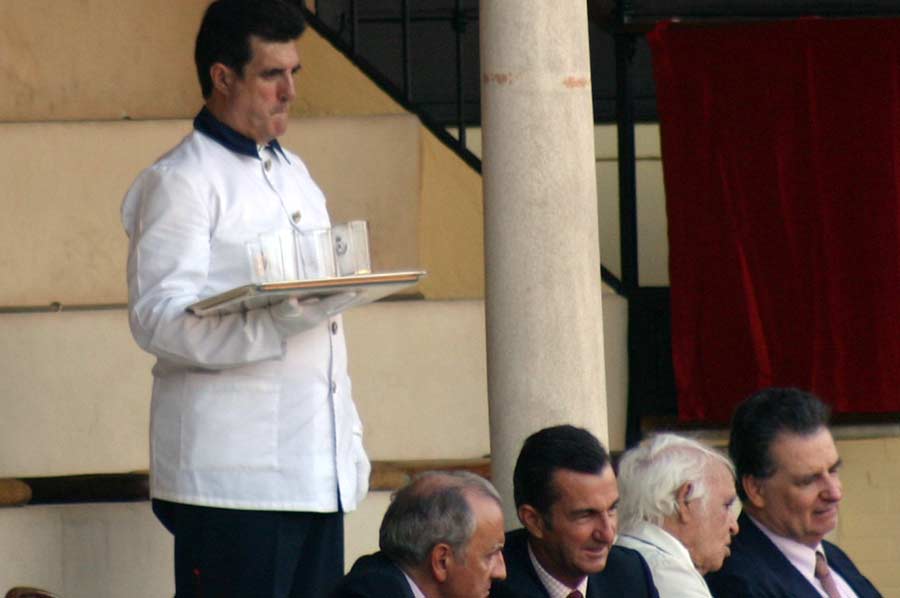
(256, 445)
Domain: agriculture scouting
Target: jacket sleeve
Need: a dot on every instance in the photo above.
(730, 585)
(169, 225)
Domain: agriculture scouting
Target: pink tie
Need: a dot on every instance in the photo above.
(823, 574)
(574, 594)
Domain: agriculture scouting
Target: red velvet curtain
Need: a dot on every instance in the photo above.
(781, 158)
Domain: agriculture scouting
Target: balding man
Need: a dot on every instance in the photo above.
(441, 537)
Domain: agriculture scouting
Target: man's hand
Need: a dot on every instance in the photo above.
(293, 316)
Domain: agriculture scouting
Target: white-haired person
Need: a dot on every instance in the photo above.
(678, 508)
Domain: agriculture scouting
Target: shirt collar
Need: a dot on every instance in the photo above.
(555, 588)
(800, 555)
(417, 593)
(208, 124)
(648, 533)
(803, 558)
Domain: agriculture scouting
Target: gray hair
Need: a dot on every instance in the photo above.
(430, 510)
(651, 473)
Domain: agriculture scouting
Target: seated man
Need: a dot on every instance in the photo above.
(566, 497)
(679, 510)
(441, 536)
(787, 470)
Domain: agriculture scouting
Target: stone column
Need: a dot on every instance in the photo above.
(542, 260)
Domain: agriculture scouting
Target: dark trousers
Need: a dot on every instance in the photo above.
(232, 553)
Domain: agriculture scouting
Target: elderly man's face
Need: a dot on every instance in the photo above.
(714, 521)
(581, 526)
(259, 99)
(472, 572)
(800, 500)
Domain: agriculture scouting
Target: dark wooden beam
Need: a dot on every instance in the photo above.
(135, 486)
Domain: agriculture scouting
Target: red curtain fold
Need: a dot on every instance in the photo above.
(781, 160)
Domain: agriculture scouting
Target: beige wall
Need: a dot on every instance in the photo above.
(106, 59)
(653, 255)
(74, 74)
(451, 230)
(77, 388)
(97, 59)
(869, 525)
(61, 239)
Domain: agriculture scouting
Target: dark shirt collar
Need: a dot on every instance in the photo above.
(208, 124)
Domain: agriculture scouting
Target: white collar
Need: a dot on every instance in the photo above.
(649, 533)
(417, 593)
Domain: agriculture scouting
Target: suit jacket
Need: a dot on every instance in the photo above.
(758, 569)
(625, 576)
(373, 576)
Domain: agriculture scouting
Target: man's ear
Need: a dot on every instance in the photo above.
(755, 490)
(441, 562)
(681, 502)
(532, 520)
(222, 78)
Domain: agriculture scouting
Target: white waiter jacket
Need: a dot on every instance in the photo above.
(239, 417)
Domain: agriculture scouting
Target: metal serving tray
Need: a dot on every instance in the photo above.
(367, 288)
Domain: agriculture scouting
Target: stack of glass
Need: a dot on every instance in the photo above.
(293, 254)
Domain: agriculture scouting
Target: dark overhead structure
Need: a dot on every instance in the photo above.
(652, 389)
(637, 13)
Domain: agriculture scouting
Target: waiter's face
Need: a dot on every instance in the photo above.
(259, 98)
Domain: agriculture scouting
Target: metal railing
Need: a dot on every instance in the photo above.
(341, 23)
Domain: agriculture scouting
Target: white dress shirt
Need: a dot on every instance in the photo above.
(554, 587)
(803, 558)
(669, 561)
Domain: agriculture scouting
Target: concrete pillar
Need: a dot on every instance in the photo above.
(542, 260)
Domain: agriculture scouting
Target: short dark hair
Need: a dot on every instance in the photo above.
(550, 449)
(432, 509)
(226, 28)
(759, 420)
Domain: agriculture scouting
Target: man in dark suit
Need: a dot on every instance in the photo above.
(566, 497)
(787, 477)
(441, 537)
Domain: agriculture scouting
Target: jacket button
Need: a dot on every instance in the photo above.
(267, 165)
(334, 328)
(296, 217)
(333, 387)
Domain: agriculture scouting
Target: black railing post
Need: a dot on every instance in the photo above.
(624, 48)
(407, 83)
(459, 26)
(354, 26)
(628, 236)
